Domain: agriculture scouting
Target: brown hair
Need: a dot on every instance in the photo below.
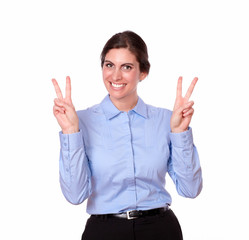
(133, 43)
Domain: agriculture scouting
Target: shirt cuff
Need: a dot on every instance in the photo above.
(182, 139)
(71, 141)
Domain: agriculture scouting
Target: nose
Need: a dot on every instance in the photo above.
(116, 75)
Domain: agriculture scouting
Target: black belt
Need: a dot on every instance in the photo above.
(134, 213)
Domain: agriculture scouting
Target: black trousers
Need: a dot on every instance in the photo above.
(164, 226)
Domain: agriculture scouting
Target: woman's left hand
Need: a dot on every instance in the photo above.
(183, 108)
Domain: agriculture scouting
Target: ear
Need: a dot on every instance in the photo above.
(142, 76)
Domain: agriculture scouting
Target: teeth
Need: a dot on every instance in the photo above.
(118, 85)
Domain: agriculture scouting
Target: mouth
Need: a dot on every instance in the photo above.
(116, 85)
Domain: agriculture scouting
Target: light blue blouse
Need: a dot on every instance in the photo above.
(119, 160)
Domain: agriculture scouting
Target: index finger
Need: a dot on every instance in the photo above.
(57, 89)
(191, 88)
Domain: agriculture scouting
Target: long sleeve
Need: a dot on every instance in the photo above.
(184, 165)
(75, 175)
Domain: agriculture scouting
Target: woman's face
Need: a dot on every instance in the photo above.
(121, 74)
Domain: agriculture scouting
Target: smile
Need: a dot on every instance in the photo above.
(118, 85)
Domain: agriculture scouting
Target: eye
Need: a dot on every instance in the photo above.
(127, 67)
(109, 65)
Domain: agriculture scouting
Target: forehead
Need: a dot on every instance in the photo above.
(121, 55)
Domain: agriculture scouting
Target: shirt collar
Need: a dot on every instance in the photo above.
(111, 111)
(141, 108)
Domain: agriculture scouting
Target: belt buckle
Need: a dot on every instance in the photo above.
(130, 217)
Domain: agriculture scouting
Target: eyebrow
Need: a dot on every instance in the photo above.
(121, 64)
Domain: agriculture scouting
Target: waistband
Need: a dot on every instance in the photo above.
(134, 213)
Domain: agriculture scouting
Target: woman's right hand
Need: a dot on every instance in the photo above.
(64, 110)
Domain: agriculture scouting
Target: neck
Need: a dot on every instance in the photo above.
(124, 104)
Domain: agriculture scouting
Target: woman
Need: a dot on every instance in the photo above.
(118, 152)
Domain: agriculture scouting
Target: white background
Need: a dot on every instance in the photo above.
(45, 39)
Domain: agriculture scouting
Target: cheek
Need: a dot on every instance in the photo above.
(132, 77)
(106, 74)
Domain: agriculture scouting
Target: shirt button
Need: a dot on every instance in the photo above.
(65, 144)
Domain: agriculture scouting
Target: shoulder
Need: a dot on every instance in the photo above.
(158, 112)
(90, 113)
(90, 110)
(159, 118)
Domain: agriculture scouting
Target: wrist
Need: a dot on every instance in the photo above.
(70, 131)
(177, 130)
